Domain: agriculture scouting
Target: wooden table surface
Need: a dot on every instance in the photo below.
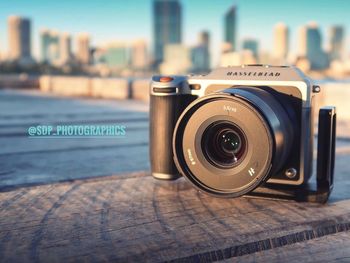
(93, 200)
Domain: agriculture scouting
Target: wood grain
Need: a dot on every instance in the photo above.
(331, 248)
(82, 201)
(29, 161)
(134, 218)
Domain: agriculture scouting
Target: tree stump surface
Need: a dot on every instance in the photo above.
(93, 200)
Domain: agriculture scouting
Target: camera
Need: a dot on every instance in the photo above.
(245, 130)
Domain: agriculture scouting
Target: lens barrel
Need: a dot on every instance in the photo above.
(228, 143)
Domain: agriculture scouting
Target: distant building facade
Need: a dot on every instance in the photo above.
(200, 54)
(177, 59)
(231, 28)
(19, 39)
(49, 45)
(252, 45)
(280, 42)
(83, 54)
(336, 42)
(56, 47)
(166, 26)
(139, 55)
(310, 42)
(116, 56)
(65, 52)
(236, 58)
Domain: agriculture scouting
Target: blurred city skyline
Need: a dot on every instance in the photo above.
(108, 21)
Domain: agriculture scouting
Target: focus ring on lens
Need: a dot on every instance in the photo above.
(189, 155)
(268, 113)
(276, 116)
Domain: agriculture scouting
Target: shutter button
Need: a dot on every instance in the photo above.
(165, 79)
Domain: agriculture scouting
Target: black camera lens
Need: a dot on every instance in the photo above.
(229, 142)
(223, 144)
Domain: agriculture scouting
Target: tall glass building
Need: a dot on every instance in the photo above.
(311, 46)
(19, 36)
(166, 27)
(252, 45)
(336, 42)
(49, 45)
(231, 28)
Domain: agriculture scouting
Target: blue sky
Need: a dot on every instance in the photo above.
(108, 20)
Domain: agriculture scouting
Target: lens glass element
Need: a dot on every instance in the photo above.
(230, 141)
(224, 144)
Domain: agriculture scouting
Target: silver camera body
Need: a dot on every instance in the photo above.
(172, 97)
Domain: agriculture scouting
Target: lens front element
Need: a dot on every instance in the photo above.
(224, 144)
(230, 142)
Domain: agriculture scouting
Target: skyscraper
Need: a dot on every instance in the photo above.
(83, 51)
(45, 40)
(177, 59)
(231, 27)
(281, 42)
(65, 51)
(116, 55)
(49, 45)
(204, 42)
(19, 39)
(336, 42)
(252, 45)
(310, 42)
(139, 58)
(302, 41)
(166, 26)
(204, 38)
(200, 55)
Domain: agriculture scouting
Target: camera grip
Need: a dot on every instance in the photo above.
(164, 112)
